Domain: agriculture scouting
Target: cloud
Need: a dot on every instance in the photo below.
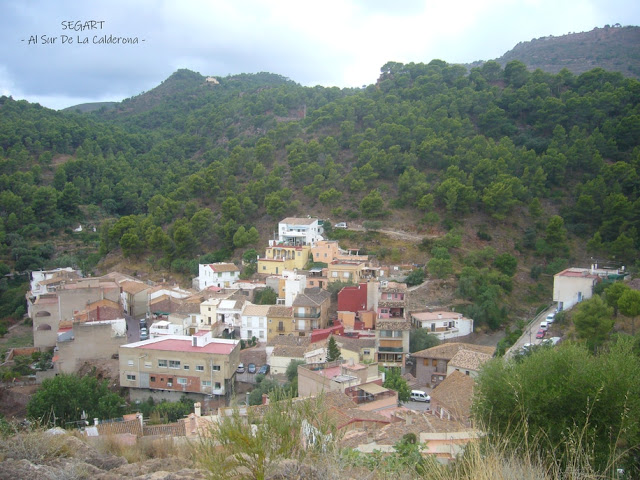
(332, 43)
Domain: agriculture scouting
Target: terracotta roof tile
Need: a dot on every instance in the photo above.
(446, 351)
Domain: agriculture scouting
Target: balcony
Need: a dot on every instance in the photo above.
(307, 315)
(390, 349)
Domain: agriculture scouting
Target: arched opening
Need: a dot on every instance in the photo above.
(44, 326)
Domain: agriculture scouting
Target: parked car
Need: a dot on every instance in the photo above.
(251, 368)
(544, 326)
(340, 225)
(550, 318)
(420, 396)
(144, 333)
(541, 333)
(240, 368)
(264, 369)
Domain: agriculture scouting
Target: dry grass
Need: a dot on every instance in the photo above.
(143, 449)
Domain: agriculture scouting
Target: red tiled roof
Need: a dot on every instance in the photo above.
(175, 345)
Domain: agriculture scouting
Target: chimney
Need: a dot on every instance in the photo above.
(197, 408)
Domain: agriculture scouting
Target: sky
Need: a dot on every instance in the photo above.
(343, 43)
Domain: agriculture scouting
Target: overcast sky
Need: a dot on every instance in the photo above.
(331, 42)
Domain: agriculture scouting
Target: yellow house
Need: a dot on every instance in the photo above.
(280, 321)
(343, 271)
(280, 257)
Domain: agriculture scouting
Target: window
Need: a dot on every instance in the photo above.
(218, 386)
(346, 274)
(334, 274)
(366, 352)
(249, 333)
(162, 363)
(186, 367)
(147, 364)
(206, 383)
(182, 381)
(466, 372)
(216, 368)
(261, 333)
(174, 363)
(131, 378)
(199, 368)
(153, 379)
(130, 363)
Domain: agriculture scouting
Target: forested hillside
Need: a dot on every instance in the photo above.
(514, 172)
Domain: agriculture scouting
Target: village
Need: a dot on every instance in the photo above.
(210, 343)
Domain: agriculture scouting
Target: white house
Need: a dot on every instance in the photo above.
(165, 327)
(221, 275)
(298, 231)
(294, 283)
(444, 325)
(573, 285)
(254, 322)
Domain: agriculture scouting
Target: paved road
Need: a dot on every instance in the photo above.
(529, 334)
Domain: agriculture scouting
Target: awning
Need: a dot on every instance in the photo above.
(373, 388)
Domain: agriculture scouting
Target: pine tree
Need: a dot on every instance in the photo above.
(333, 351)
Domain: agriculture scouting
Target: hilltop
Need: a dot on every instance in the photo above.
(615, 49)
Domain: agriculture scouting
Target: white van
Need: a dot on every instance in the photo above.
(420, 396)
(544, 326)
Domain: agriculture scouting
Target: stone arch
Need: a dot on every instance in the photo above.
(44, 326)
(43, 313)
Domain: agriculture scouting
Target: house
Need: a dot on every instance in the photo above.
(392, 342)
(282, 350)
(279, 257)
(283, 355)
(280, 321)
(316, 277)
(89, 340)
(299, 231)
(311, 310)
(432, 363)
(135, 300)
(572, 285)
(345, 271)
(452, 398)
(391, 301)
(100, 310)
(175, 365)
(254, 322)
(468, 362)
(46, 281)
(290, 285)
(361, 349)
(443, 439)
(163, 328)
(444, 325)
(62, 301)
(326, 251)
(219, 275)
(317, 378)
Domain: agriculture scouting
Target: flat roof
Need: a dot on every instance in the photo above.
(175, 345)
(373, 388)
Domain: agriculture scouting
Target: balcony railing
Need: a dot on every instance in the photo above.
(307, 315)
(390, 349)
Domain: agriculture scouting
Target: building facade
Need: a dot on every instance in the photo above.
(176, 365)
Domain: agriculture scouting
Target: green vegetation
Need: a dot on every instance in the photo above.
(333, 351)
(253, 446)
(421, 339)
(61, 400)
(564, 399)
(551, 161)
(394, 381)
